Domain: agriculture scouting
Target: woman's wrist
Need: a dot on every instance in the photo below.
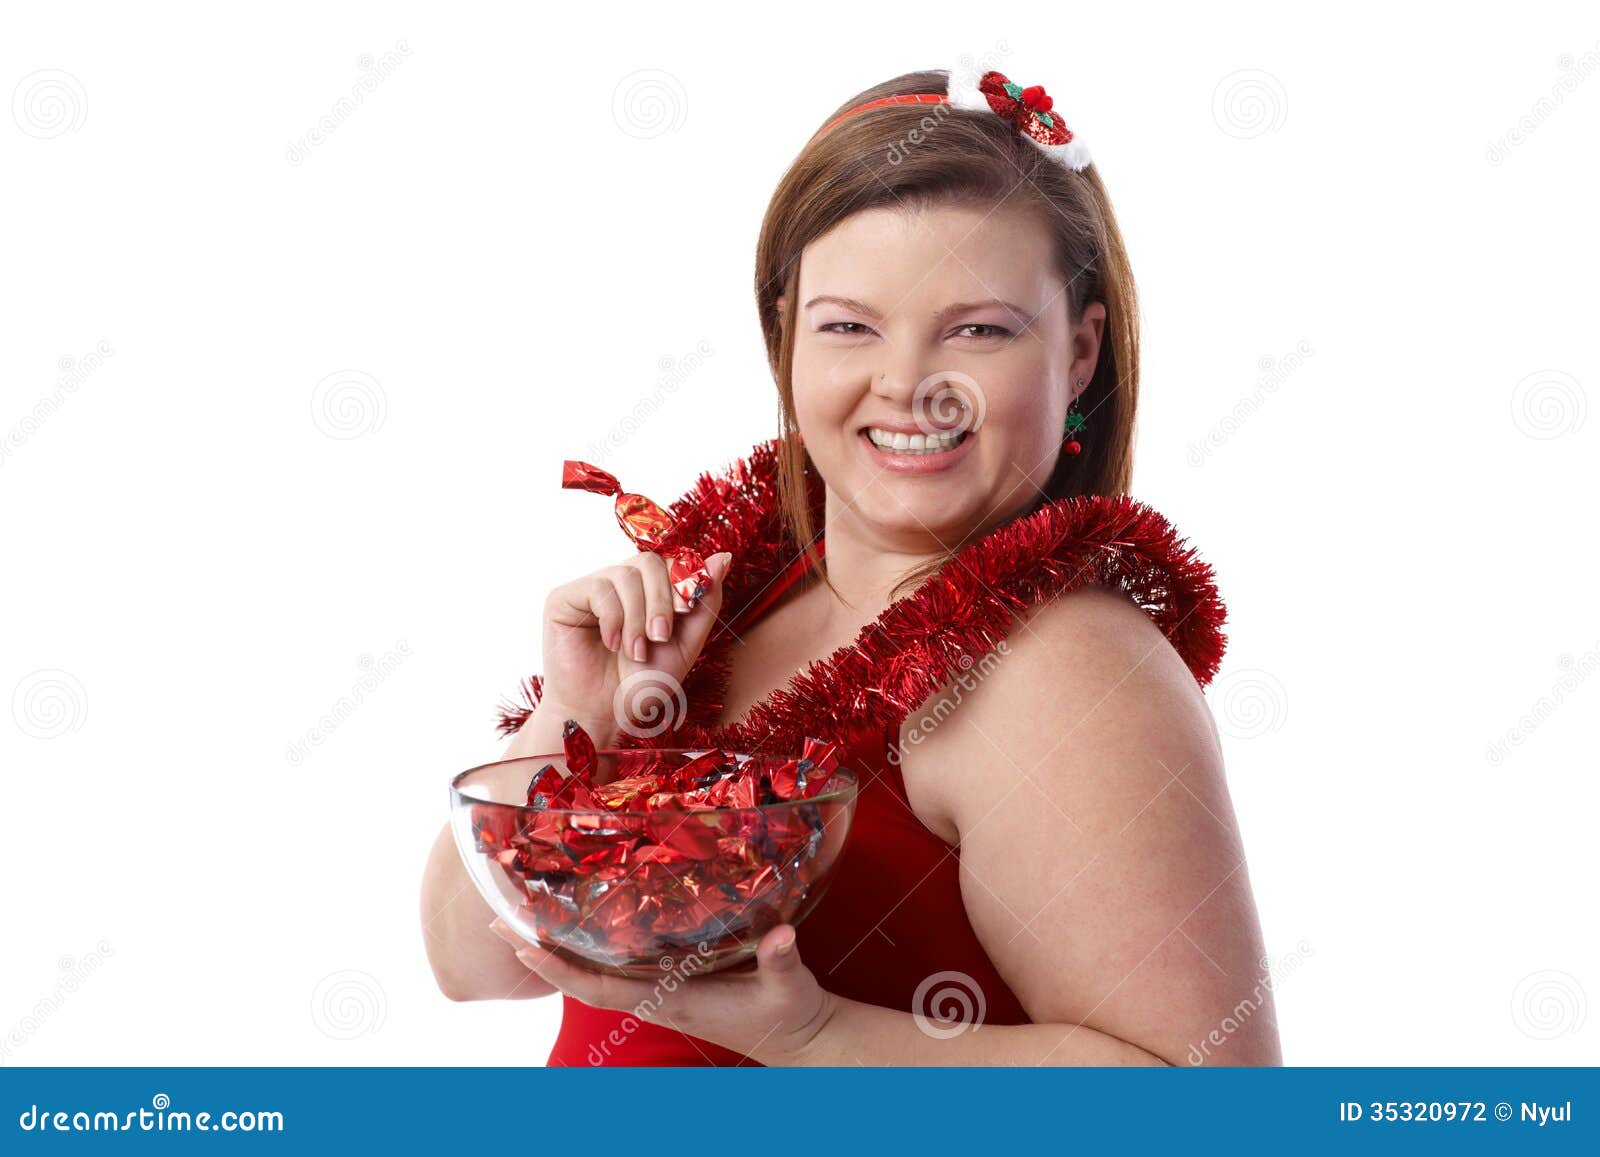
(541, 733)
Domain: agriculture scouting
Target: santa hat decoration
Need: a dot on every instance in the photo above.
(1030, 109)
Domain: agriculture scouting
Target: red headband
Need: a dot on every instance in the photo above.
(1029, 109)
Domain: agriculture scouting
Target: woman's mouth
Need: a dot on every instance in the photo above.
(915, 453)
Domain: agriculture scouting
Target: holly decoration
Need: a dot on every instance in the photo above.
(1027, 108)
(1070, 428)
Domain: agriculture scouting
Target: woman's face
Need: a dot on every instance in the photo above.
(933, 366)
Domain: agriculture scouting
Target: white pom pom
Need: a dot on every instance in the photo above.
(962, 88)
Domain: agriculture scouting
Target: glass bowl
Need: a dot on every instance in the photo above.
(635, 893)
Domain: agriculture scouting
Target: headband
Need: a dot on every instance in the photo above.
(1028, 109)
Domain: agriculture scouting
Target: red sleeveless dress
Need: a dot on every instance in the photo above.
(892, 918)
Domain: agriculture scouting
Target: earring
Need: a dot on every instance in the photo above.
(1072, 426)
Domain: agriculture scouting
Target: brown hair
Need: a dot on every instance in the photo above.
(917, 155)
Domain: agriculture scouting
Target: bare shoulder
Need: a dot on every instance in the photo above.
(1102, 866)
(1089, 668)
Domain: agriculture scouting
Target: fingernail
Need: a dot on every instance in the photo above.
(658, 628)
(526, 955)
(639, 651)
(787, 945)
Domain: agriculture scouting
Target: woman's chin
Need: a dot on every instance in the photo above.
(916, 517)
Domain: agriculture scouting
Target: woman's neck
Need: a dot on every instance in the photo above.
(865, 568)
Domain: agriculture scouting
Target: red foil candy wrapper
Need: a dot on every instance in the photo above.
(690, 578)
(672, 855)
(643, 521)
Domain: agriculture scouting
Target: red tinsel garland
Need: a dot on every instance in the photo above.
(942, 628)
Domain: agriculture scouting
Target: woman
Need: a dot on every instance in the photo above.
(936, 565)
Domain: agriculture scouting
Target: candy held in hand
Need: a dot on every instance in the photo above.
(676, 851)
(643, 521)
(690, 578)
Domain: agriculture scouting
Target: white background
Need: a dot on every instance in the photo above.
(522, 236)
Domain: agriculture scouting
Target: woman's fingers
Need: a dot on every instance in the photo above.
(657, 595)
(629, 584)
(591, 601)
(693, 627)
(507, 933)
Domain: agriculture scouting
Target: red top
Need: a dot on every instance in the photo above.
(891, 928)
(891, 918)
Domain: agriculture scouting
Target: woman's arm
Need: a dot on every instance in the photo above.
(1101, 865)
(469, 961)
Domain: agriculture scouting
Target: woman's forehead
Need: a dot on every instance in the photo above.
(890, 258)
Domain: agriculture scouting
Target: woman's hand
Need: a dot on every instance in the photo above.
(603, 628)
(768, 1012)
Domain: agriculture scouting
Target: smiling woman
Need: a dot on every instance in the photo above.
(937, 565)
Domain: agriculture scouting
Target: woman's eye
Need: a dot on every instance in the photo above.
(994, 330)
(832, 327)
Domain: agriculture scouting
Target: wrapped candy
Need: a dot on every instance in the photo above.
(690, 577)
(648, 525)
(676, 851)
(643, 521)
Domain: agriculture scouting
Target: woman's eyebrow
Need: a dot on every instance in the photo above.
(847, 302)
(939, 315)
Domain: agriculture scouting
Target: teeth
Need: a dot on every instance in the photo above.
(902, 443)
